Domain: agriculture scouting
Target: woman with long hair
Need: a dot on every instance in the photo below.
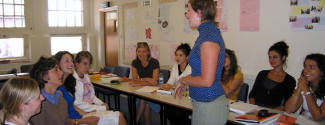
(310, 93)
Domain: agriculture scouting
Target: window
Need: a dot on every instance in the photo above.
(12, 14)
(11, 48)
(73, 44)
(65, 13)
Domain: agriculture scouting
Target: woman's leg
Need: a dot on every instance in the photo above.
(122, 120)
(147, 111)
(141, 108)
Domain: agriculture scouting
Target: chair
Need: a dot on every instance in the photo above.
(108, 69)
(166, 74)
(242, 96)
(25, 68)
(121, 71)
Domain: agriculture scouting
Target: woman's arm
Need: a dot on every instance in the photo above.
(144, 81)
(234, 85)
(209, 61)
(295, 101)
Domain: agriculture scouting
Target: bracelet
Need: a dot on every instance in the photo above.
(305, 93)
(76, 121)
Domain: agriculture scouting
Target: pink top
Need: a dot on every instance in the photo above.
(87, 91)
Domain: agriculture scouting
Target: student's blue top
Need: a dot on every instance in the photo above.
(208, 31)
(73, 114)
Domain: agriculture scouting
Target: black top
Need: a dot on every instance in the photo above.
(145, 72)
(269, 93)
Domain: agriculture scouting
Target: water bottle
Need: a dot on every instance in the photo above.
(161, 78)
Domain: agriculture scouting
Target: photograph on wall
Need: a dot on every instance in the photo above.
(307, 15)
(166, 33)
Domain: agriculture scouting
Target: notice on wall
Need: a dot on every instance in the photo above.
(130, 50)
(173, 48)
(221, 16)
(307, 15)
(249, 15)
(166, 33)
(155, 51)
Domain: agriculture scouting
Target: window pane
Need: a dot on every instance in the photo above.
(1, 9)
(53, 18)
(70, 5)
(79, 19)
(19, 1)
(71, 44)
(8, 1)
(19, 21)
(9, 22)
(70, 19)
(11, 47)
(19, 10)
(8, 9)
(62, 18)
(61, 4)
(52, 5)
(1, 21)
(78, 5)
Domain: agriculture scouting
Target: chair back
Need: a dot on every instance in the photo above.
(242, 96)
(108, 69)
(166, 74)
(122, 71)
(25, 68)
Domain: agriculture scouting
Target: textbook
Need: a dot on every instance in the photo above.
(241, 107)
(286, 120)
(252, 117)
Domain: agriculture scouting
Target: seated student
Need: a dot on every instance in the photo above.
(145, 71)
(232, 77)
(273, 87)
(310, 93)
(54, 109)
(21, 99)
(65, 61)
(85, 98)
(181, 69)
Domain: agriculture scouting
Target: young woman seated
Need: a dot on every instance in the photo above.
(232, 77)
(310, 93)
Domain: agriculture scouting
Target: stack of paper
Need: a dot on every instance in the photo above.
(147, 89)
(241, 107)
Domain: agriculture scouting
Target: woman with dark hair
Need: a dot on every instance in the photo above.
(310, 93)
(145, 71)
(21, 99)
(272, 88)
(232, 77)
(65, 61)
(206, 60)
(54, 109)
(85, 98)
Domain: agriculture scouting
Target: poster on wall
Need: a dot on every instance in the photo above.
(166, 33)
(307, 15)
(221, 16)
(173, 48)
(249, 15)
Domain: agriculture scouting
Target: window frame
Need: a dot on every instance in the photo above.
(27, 50)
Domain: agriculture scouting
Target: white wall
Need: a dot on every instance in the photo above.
(250, 47)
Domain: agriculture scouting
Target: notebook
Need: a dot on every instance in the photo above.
(241, 107)
(252, 117)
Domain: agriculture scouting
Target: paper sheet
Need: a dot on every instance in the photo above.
(249, 15)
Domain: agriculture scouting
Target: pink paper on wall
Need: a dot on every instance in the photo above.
(155, 51)
(249, 15)
(130, 50)
(173, 48)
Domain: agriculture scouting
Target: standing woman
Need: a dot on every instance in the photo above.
(54, 109)
(206, 59)
(232, 77)
(145, 71)
(310, 93)
(272, 88)
(21, 99)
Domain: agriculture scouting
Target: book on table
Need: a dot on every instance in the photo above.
(252, 117)
(241, 107)
(147, 89)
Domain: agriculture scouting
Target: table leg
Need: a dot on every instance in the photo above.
(132, 109)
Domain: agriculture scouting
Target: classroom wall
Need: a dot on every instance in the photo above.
(250, 47)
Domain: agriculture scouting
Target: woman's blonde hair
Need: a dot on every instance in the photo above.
(144, 45)
(17, 91)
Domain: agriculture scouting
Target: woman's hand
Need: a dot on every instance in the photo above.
(107, 107)
(303, 84)
(179, 89)
(91, 120)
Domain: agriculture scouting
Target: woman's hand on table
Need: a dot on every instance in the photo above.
(179, 89)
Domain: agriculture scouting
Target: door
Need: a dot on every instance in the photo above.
(111, 38)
